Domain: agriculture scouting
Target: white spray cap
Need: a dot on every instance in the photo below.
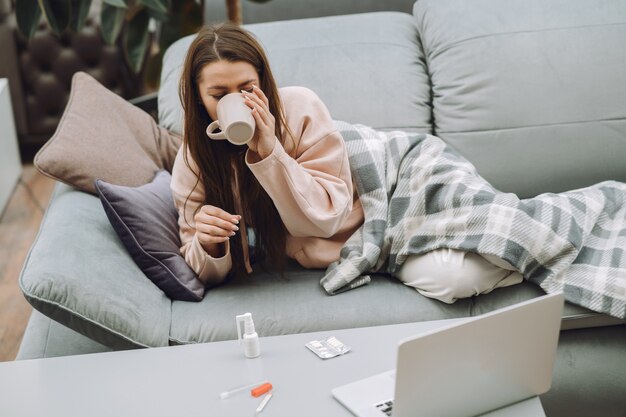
(248, 324)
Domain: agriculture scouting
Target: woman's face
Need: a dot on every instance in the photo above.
(223, 77)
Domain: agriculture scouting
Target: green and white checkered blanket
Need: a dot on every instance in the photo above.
(418, 194)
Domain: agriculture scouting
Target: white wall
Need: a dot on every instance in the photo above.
(10, 163)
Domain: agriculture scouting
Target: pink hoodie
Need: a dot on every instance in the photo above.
(312, 191)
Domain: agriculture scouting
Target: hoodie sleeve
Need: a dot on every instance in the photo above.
(312, 190)
(188, 194)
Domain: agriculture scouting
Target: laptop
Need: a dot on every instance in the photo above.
(467, 368)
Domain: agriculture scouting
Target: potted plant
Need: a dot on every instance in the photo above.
(126, 23)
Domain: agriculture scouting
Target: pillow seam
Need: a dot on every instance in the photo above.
(75, 80)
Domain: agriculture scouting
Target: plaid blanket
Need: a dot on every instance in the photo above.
(418, 194)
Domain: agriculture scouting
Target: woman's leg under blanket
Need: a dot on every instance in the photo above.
(449, 274)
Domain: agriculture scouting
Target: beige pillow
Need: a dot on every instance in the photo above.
(101, 135)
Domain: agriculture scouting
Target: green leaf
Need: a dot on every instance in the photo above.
(27, 14)
(79, 13)
(159, 6)
(136, 40)
(112, 20)
(116, 3)
(57, 13)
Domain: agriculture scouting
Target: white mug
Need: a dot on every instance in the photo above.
(235, 120)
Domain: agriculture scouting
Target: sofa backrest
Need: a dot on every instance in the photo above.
(275, 10)
(367, 68)
(533, 92)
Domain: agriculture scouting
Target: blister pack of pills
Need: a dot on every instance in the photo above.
(328, 348)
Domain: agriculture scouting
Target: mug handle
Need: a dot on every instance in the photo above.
(210, 131)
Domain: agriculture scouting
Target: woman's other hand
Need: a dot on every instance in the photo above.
(264, 138)
(214, 226)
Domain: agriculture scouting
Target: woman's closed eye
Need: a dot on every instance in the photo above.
(218, 97)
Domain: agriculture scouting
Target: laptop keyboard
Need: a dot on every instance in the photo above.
(385, 407)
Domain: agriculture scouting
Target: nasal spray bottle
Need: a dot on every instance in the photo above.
(251, 346)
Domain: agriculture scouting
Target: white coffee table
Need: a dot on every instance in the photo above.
(186, 380)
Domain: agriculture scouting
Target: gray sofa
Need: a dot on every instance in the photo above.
(533, 93)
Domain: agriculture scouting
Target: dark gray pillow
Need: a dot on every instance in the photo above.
(146, 221)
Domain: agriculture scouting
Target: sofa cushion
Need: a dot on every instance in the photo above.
(367, 68)
(80, 274)
(298, 304)
(101, 135)
(94, 287)
(531, 91)
(146, 220)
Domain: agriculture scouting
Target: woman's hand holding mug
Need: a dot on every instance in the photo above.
(264, 138)
(214, 226)
(245, 119)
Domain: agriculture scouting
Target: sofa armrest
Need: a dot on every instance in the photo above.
(79, 273)
(148, 103)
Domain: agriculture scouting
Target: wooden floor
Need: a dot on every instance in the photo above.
(19, 225)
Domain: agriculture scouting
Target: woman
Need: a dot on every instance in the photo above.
(290, 185)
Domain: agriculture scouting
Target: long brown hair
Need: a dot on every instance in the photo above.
(218, 160)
